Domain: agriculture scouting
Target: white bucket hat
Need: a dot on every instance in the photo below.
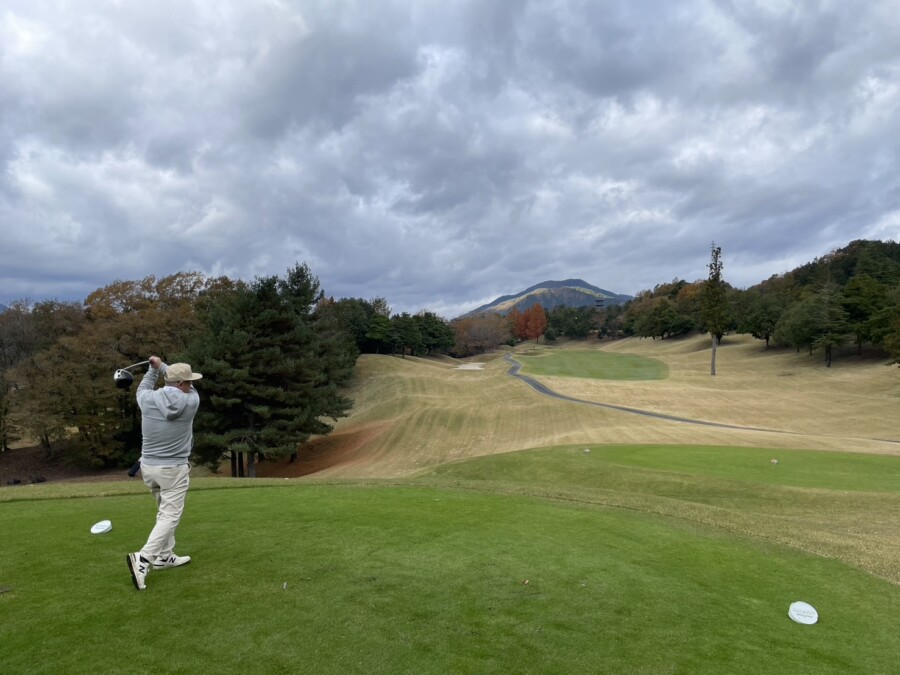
(181, 372)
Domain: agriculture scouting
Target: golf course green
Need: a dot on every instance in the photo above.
(469, 524)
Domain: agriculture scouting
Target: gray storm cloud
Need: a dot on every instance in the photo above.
(441, 154)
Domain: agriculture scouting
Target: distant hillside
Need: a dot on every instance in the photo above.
(879, 260)
(3, 308)
(552, 294)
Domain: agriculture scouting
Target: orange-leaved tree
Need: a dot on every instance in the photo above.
(535, 320)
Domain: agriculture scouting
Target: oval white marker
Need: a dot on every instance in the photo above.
(802, 612)
(101, 527)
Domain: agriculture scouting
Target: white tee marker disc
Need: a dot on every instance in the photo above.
(101, 527)
(802, 612)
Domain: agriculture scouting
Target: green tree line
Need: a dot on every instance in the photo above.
(277, 353)
(848, 298)
(851, 297)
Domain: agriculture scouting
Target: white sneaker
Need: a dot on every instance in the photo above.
(173, 560)
(139, 568)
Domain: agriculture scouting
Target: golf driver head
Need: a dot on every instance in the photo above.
(123, 379)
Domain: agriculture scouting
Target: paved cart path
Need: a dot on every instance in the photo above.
(544, 389)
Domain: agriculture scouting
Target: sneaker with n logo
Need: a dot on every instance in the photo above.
(139, 567)
(165, 562)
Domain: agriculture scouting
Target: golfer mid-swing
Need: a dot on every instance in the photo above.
(167, 417)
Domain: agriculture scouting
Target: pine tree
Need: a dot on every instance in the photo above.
(272, 366)
(832, 325)
(437, 336)
(404, 335)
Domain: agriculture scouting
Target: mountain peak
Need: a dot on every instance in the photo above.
(552, 294)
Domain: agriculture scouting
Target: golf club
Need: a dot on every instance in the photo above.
(123, 378)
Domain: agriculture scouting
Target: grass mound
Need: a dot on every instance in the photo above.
(839, 505)
(758, 467)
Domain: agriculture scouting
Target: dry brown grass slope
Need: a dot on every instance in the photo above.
(774, 389)
(412, 414)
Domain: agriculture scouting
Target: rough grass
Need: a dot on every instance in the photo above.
(856, 399)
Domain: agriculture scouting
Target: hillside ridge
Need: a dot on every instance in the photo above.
(551, 294)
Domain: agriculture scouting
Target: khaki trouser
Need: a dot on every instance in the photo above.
(169, 485)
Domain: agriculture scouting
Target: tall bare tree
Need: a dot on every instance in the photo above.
(715, 302)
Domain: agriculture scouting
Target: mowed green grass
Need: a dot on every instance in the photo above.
(593, 364)
(838, 505)
(414, 579)
(593, 465)
(675, 558)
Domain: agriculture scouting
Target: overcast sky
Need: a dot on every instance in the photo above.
(441, 153)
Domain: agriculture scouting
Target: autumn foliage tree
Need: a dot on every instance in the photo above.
(480, 334)
(26, 330)
(528, 325)
(68, 400)
(535, 322)
(516, 321)
(273, 338)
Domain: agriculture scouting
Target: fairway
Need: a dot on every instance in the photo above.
(593, 364)
(343, 579)
(411, 414)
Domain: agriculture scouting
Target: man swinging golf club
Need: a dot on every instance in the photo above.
(167, 416)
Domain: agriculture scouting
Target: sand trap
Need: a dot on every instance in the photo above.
(471, 366)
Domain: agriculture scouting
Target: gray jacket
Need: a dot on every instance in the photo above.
(167, 417)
